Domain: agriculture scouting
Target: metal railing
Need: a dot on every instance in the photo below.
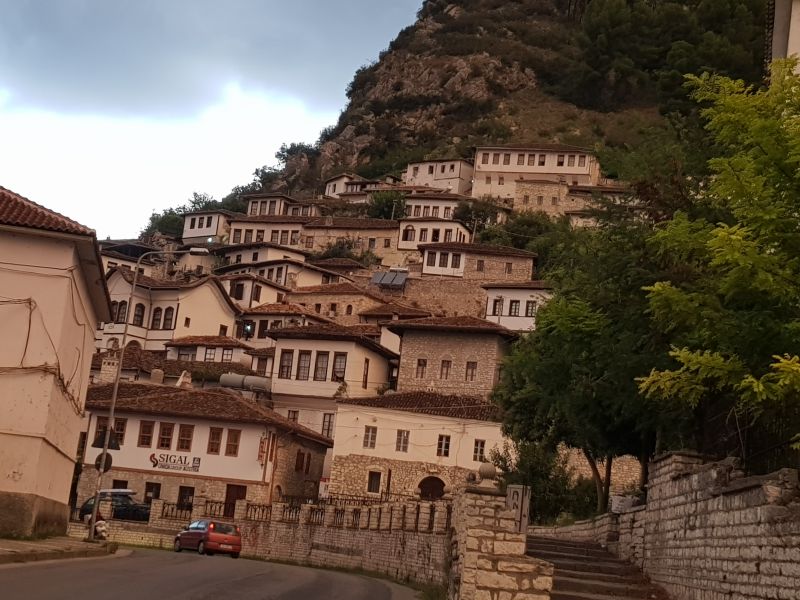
(258, 512)
(316, 516)
(291, 514)
(338, 517)
(220, 509)
(355, 519)
(173, 510)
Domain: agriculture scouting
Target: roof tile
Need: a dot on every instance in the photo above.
(18, 211)
(431, 403)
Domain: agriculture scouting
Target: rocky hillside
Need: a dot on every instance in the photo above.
(520, 71)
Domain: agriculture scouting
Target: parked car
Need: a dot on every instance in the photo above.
(123, 506)
(208, 537)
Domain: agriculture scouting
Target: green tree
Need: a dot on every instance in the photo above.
(733, 317)
(387, 205)
(533, 231)
(169, 222)
(477, 215)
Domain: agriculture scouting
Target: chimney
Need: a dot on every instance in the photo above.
(328, 221)
(157, 376)
(185, 381)
(108, 368)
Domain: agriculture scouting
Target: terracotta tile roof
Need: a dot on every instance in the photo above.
(464, 323)
(486, 249)
(394, 308)
(431, 403)
(433, 195)
(330, 331)
(218, 405)
(18, 211)
(120, 256)
(431, 219)
(351, 223)
(345, 288)
(213, 211)
(234, 247)
(145, 361)
(352, 176)
(337, 263)
(135, 358)
(276, 261)
(536, 284)
(283, 308)
(261, 352)
(253, 277)
(215, 341)
(367, 329)
(538, 146)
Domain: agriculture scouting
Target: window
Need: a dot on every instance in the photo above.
(339, 366)
(554, 200)
(526, 199)
(156, 322)
(165, 435)
(441, 169)
(299, 459)
(248, 236)
(208, 221)
(408, 234)
(509, 268)
(571, 160)
(321, 366)
(271, 207)
(152, 491)
(372, 243)
(443, 258)
(273, 236)
(479, 265)
(349, 309)
(422, 364)
(365, 375)
(293, 415)
(478, 451)
(308, 463)
(415, 171)
(431, 260)
(211, 354)
(402, 440)
(472, 367)
(122, 312)
(263, 326)
(191, 223)
(530, 308)
(285, 369)
(303, 365)
(582, 160)
(417, 210)
(169, 315)
(138, 315)
(187, 321)
(327, 425)
(387, 242)
(448, 235)
(237, 236)
(488, 180)
(146, 434)
(333, 309)
(485, 158)
(374, 482)
(496, 158)
(430, 169)
(520, 159)
(435, 211)
(119, 427)
(309, 241)
(501, 180)
(540, 200)
(187, 353)
(531, 160)
(455, 262)
(232, 444)
(443, 446)
(507, 159)
(259, 238)
(560, 160)
(497, 306)
(295, 239)
(444, 371)
(284, 238)
(119, 484)
(227, 355)
(238, 259)
(542, 158)
(370, 436)
(513, 308)
(214, 440)
(318, 308)
(185, 433)
(426, 211)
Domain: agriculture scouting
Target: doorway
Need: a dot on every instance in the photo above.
(431, 488)
(232, 494)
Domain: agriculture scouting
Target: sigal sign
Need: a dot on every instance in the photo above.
(175, 462)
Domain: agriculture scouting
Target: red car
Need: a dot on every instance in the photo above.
(209, 537)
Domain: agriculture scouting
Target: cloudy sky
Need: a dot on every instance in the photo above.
(110, 109)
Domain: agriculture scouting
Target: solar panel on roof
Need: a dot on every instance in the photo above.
(400, 280)
(388, 278)
(376, 278)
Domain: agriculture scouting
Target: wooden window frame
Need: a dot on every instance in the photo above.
(238, 435)
(213, 442)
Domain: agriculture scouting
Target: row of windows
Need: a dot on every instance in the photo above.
(444, 369)
(166, 432)
(327, 421)
(531, 159)
(418, 210)
(302, 371)
(404, 436)
(200, 222)
(270, 207)
(444, 258)
(513, 307)
(410, 232)
(526, 199)
(283, 237)
(431, 168)
(190, 354)
(161, 319)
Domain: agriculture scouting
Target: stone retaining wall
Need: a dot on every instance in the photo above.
(707, 532)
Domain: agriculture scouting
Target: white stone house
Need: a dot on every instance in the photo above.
(411, 444)
(54, 295)
(208, 348)
(283, 230)
(247, 289)
(452, 175)
(429, 204)
(513, 304)
(163, 310)
(285, 272)
(337, 184)
(207, 226)
(177, 444)
(476, 261)
(279, 204)
(421, 230)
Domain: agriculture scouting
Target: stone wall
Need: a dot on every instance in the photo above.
(626, 471)
(459, 348)
(358, 302)
(707, 532)
(488, 555)
(494, 268)
(349, 474)
(442, 297)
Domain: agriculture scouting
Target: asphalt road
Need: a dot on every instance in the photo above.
(153, 575)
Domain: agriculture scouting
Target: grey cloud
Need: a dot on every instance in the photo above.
(168, 58)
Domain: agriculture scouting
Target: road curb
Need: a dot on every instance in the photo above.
(34, 556)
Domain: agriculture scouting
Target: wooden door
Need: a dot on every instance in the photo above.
(232, 494)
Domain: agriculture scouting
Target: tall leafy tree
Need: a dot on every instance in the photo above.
(387, 205)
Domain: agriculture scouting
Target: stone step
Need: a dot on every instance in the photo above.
(585, 566)
(602, 560)
(564, 542)
(634, 578)
(536, 546)
(645, 595)
(624, 588)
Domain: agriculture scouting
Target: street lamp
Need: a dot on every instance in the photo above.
(115, 389)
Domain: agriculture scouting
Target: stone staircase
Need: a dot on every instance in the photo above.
(584, 571)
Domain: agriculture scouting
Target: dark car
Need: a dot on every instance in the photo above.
(123, 506)
(208, 537)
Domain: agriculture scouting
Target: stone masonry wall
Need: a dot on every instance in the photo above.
(625, 470)
(442, 297)
(707, 532)
(459, 348)
(349, 474)
(488, 555)
(494, 268)
(342, 301)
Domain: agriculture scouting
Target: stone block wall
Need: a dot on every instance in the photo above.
(707, 532)
(358, 302)
(488, 555)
